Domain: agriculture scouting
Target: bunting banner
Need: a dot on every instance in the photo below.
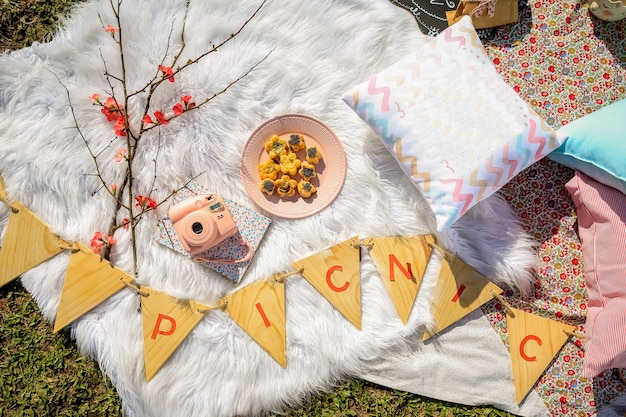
(534, 341)
(89, 281)
(27, 243)
(166, 323)
(401, 262)
(259, 309)
(460, 289)
(335, 273)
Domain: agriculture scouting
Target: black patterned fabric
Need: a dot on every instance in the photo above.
(430, 14)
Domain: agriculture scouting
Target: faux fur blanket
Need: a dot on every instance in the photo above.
(317, 50)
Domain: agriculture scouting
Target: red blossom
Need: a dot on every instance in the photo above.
(178, 109)
(186, 101)
(111, 29)
(126, 223)
(120, 127)
(160, 118)
(147, 119)
(167, 73)
(145, 203)
(121, 154)
(95, 97)
(111, 109)
(100, 240)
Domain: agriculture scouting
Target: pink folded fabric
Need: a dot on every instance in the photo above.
(601, 214)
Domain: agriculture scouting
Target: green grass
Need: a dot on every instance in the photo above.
(43, 374)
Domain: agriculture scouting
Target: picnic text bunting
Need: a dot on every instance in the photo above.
(259, 309)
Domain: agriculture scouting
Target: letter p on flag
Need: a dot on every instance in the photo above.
(166, 324)
(157, 327)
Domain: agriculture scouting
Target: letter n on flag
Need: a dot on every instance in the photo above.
(166, 323)
(27, 242)
(459, 290)
(534, 341)
(259, 309)
(89, 281)
(401, 262)
(336, 274)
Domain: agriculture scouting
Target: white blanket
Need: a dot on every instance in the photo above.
(319, 49)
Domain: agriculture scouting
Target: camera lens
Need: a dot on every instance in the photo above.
(197, 228)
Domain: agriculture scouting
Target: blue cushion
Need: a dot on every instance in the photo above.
(595, 144)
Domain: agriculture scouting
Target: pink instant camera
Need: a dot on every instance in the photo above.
(202, 222)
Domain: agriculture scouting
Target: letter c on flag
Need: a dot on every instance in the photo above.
(523, 344)
(157, 327)
(330, 282)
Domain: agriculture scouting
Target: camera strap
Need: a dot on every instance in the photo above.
(229, 261)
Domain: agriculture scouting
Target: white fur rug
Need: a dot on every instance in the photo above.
(319, 49)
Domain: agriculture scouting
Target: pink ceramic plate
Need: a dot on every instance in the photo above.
(331, 170)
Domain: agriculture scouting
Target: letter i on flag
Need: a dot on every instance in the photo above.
(89, 281)
(534, 341)
(259, 309)
(166, 323)
(460, 290)
(335, 273)
(401, 262)
(27, 243)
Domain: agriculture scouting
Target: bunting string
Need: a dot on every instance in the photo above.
(221, 306)
(506, 305)
(9, 205)
(280, 278)
(134, 287)
(363, 243)
(65, 245)
(444, 253)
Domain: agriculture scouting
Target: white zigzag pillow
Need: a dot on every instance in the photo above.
(454, 125)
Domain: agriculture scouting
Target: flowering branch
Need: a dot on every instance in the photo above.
(116, 110)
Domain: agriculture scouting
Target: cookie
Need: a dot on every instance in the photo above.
(305, 189)
(286, 186)
(296, 142)
(313, 155)
(267, 186)
(269, 169)
(276, 147)
(289, 163)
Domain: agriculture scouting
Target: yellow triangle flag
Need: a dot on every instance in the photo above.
(89, 281)
(260, 310)
(401, 262)
(166, 323)
(460, 290)
(335, 273)
(534, 341)
(27, 243)
(3, 193)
